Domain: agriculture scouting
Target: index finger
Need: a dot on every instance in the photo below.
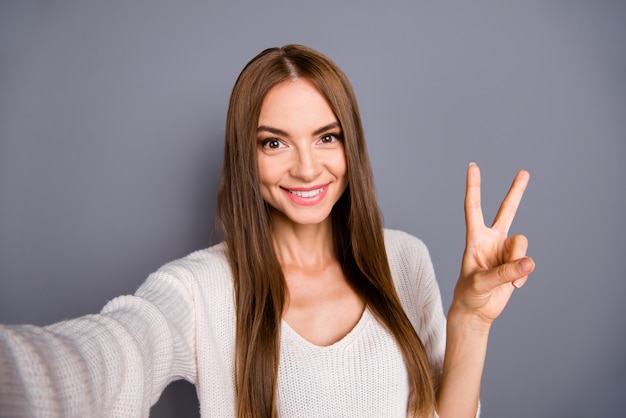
(473, 210)
(510, 204)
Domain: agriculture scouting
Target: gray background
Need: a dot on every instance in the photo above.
(111, 129)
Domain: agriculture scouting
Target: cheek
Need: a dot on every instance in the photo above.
(264, 179)
(269, 177)
(340, 166)
(265, 170)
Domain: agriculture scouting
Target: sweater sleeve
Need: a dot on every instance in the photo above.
(115, 363)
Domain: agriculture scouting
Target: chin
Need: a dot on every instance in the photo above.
(306, 219)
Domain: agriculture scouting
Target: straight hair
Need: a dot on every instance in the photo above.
(244, 217)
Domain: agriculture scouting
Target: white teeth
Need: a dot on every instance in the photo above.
(308, 193)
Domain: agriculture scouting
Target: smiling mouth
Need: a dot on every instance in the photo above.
(307, 193)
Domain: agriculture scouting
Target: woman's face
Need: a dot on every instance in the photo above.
(302, 164)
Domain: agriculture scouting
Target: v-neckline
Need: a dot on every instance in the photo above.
(345, 340)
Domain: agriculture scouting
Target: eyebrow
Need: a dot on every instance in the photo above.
(276, 131)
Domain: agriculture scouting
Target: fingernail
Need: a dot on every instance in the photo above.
(473, 163)
(525, 265)
(518, 283)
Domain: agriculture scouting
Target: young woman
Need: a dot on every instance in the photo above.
(308, 308)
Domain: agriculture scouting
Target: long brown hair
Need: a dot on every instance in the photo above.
(357, 231)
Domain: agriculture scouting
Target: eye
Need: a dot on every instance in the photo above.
(271, 143)
(330, 138)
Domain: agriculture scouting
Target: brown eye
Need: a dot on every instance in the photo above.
(329, 138)
(272, 143)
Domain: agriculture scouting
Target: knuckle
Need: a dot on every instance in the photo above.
(502, 272)
(522, 240)
(518, 245)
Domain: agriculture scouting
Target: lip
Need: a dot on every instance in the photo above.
(303, 196)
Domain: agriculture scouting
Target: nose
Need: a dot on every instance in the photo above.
(306, 165)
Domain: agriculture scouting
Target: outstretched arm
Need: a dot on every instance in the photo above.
(493, 266)
(116, 363)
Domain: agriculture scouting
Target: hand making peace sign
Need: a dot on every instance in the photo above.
(494, 264)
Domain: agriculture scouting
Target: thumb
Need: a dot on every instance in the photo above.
(514, 272)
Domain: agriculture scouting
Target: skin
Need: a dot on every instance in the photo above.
(300, 148)
(493, 266)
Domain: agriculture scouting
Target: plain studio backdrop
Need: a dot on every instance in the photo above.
(111, 136)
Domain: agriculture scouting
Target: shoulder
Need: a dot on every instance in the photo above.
(412, 271)
(408, 258)
(211, 260)
(204, 269)
(403, 247)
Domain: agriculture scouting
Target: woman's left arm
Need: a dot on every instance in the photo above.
(494, 265)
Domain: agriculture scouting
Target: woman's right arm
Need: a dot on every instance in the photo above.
(116, 363)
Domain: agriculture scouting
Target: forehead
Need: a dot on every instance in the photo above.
(295, 103)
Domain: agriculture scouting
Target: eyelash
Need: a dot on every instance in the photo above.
(336, 137)
(267, 143)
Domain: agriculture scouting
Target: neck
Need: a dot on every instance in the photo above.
(304, 246)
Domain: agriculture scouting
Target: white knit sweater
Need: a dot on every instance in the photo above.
(181, 324)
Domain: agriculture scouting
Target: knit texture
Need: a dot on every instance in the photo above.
(180, 324)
